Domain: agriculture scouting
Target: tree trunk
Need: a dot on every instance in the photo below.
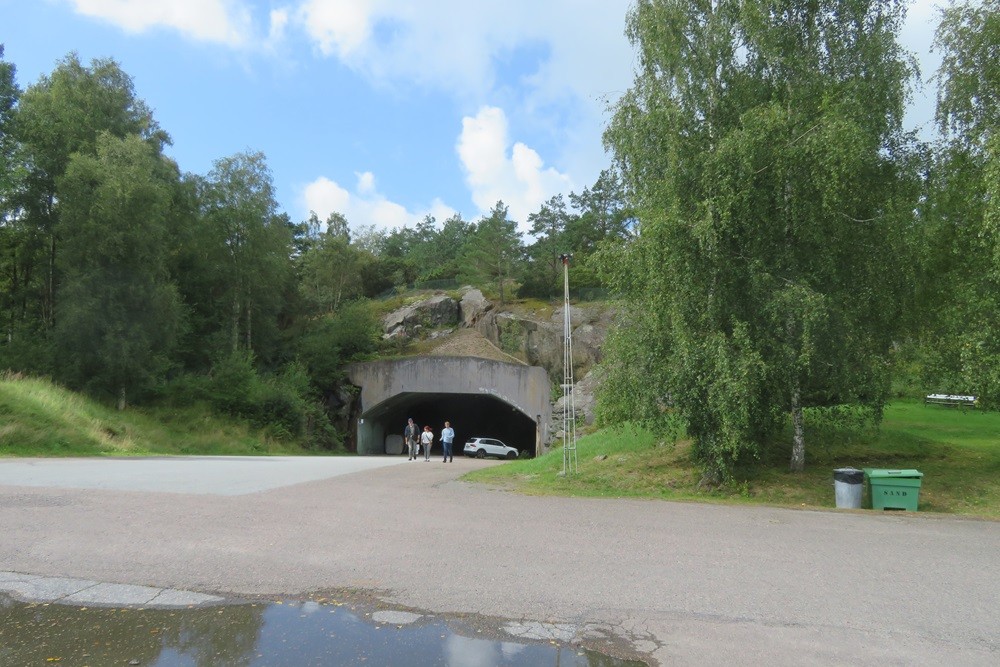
(235, 335)
(249, 337)
(50, 287)
(798, 425)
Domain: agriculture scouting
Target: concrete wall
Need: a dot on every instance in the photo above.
(524, 388)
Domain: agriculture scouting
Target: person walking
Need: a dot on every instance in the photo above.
(410, 438)
(426, 440)
(447, 437)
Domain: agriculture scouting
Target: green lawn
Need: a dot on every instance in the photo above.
(39, 418)
(958, 452)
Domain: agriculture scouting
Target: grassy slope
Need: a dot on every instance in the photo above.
(38, 418)
(958, 452)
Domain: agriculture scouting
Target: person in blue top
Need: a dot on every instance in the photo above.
(447, 437)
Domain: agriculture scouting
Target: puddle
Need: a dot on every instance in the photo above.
(276, 634)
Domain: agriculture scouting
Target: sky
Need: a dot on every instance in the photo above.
(383, 110)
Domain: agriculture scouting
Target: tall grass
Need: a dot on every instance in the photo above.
(40, 418)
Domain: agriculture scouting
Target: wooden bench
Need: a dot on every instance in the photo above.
(950, 400)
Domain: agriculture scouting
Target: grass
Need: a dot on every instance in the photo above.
(39, 418)
(958, 452)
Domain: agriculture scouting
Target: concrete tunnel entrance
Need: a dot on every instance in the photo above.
(470, 416)
(480, 397)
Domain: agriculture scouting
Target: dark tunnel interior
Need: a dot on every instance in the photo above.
(471, 415)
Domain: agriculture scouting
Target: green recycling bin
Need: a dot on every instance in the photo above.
(893, 489)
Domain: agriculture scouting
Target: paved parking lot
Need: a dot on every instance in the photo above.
(213, 475)
(684, 583)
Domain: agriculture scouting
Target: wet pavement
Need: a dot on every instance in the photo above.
(34, 588)
(294, 633)
(672, 583)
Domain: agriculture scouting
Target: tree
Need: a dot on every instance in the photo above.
(61, 115)
(9, 94)
(251, 247)
(449, 246)
(762, 143)
(603, 214)
(119, 315)
(543, 274)
(10, 275)
(330, 270)
(968, 38)
(961, 262)
(494, 250)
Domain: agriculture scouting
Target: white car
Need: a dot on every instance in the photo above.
(483, 447)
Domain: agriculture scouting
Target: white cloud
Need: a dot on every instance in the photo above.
(519, 177)
(338, 27)
(223, 21)
(366, 183)
(554, 66)
(279, 21)
(365, 206)
(457, 44)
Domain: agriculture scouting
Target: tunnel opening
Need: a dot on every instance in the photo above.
(471, 415)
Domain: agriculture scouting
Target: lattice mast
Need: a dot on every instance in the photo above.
(569, 400)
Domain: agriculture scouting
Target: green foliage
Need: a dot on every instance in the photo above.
(61, 116)
(762, 144)
(512, 338)
(249, 250)
(39, 418)
(600, 218)
(955, 450)
(10, 174)
(423, 254)
(330, 269)
(960, 282)
(325, 344)
(969, 75)
(118, 316)
(494, 251)
(281, 406)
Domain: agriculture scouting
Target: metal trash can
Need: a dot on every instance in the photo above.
(848, 485)
(894, 489)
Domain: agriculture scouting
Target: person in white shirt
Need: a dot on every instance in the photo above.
(426, 440)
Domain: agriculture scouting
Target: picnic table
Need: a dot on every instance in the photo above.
(951, 400)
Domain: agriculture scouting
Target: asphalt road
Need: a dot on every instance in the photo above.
(682, 583)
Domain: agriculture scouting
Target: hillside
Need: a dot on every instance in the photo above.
(470, 343)
(39, 418)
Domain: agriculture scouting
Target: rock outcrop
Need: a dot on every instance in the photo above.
(473, 307)
(438, 311)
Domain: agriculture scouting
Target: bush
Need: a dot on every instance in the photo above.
(185, 390)
(233, 384)
(277, 408)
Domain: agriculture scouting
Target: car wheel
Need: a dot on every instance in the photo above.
(481, 454)
(511, 455)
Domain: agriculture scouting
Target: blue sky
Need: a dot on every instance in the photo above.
(383, 110)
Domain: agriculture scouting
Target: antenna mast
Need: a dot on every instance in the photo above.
(569, 401)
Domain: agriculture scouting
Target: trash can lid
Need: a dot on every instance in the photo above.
(885, 472)
(849, 475)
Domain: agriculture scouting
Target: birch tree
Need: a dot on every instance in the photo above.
(762, 143)
(252, 245)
